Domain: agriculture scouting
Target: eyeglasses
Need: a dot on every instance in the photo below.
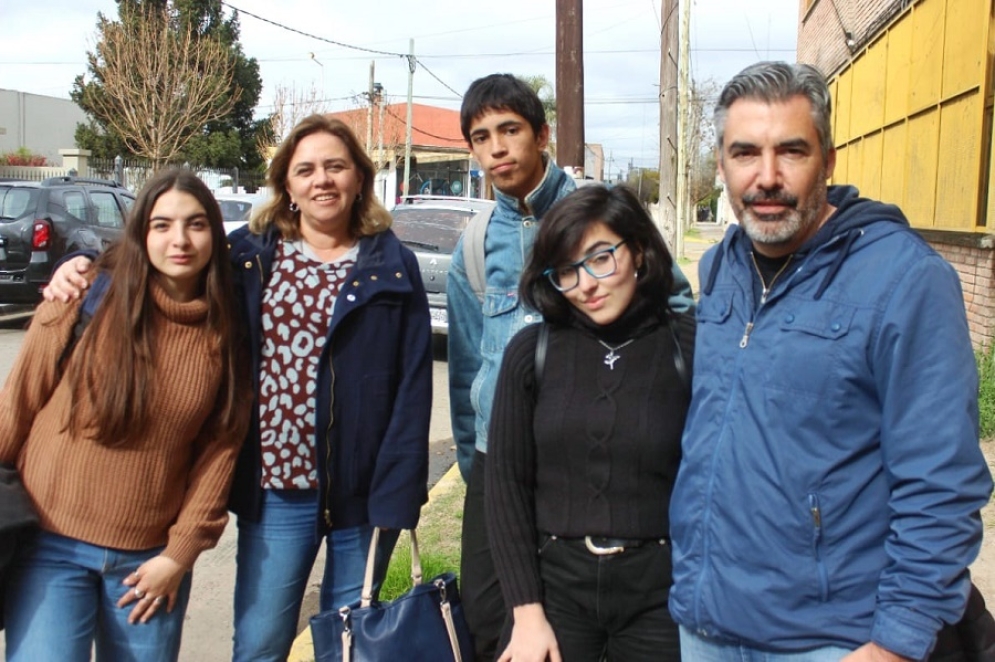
(600, 264)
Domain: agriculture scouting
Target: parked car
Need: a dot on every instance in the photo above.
(431, 226)
(237, 208)
(42, 221)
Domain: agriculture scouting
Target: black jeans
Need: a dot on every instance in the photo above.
(610, 608)
(483, 604)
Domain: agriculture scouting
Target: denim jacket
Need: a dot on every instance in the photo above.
(478, 333)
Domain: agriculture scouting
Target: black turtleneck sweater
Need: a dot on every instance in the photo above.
(596, 452)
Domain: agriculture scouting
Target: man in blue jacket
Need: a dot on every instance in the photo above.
(827, 505)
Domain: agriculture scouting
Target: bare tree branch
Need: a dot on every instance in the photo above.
(161, 82)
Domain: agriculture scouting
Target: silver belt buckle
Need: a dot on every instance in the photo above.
(601, 551)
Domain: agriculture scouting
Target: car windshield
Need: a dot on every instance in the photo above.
(15, 202)
(427, 229)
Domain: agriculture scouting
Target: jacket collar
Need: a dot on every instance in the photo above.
(542, 197)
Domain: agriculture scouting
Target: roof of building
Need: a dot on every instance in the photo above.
(430, 126)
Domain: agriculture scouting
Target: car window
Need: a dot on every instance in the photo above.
(432, 230)
(128, 203)
(233, 211)
(75, 205)
(17, 201)
(108, 213)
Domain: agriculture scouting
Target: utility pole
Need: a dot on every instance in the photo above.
(407, 135)
(369, 113)
(569, 83)
(668, 123)
(684, 112)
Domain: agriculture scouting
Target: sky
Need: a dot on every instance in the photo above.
(45, 45)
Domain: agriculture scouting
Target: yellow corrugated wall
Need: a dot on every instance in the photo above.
(909, 119)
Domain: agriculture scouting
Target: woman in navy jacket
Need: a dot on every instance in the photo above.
(321, 256)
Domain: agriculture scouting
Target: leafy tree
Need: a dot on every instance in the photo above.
(227, 140)
(547, 95)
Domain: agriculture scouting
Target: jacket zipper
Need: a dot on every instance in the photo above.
(816, 512)
(745, 340)
(328, 441)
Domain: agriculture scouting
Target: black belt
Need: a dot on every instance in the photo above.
(605, 546)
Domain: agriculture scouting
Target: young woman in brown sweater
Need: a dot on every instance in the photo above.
(582, 456)
(127, 446)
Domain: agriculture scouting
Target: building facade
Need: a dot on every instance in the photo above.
(912, 120)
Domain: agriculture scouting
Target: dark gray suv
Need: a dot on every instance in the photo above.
(42, 221)
(431, 226)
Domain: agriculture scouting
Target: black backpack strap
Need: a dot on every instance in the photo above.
(87, 309)
(542, 344)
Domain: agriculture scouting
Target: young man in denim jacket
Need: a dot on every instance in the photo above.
(504, 124)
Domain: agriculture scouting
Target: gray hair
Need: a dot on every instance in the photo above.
(773, 82)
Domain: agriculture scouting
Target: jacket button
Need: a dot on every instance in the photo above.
(789, 319)
(397, 275)
(248, 264)
(373, 277)
(355, 283)
(835, 326)
(350, 297)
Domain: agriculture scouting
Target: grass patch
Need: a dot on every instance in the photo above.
(438, 539)
(693, 233)
(986, 390)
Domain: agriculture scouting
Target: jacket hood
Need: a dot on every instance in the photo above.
(853, 218)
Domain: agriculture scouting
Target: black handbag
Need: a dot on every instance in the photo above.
(972, 639)
(18, 521)
(425, 624)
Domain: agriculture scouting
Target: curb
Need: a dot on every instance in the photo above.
(303, 648)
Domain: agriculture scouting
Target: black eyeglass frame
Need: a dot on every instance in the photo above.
(550, 273)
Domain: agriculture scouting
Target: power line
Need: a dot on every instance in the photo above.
(431, 135)
(308, 34)
(343, 45)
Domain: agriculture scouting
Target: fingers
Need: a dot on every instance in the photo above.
(68, 281)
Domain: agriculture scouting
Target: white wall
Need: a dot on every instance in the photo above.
(42, 124)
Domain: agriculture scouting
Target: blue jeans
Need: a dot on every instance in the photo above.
(698, 649)
(275, 557)
(62, 598)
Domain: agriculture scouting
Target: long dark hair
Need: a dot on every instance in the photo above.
(120, 406)
(562, 230)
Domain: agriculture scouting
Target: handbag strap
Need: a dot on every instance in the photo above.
(371, 562)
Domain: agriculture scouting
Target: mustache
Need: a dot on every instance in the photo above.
(776, 197)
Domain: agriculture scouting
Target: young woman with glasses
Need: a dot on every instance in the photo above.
(584, 444)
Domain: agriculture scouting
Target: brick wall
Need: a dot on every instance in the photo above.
(973, 256)
(821, 39)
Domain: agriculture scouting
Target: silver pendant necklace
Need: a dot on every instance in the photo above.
(611, 357)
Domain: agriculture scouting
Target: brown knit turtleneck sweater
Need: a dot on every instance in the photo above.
(168, 488)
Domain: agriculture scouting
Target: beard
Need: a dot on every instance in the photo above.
(797, 220)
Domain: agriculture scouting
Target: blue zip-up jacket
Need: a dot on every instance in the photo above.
(374, 387)
(479, 333)
(831, 480)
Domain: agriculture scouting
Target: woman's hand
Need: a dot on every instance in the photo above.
(154, 585)
(68, 282)
(532, 637)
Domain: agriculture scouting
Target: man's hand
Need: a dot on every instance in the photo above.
(68, 281)
(532, 638)
(871, 652)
